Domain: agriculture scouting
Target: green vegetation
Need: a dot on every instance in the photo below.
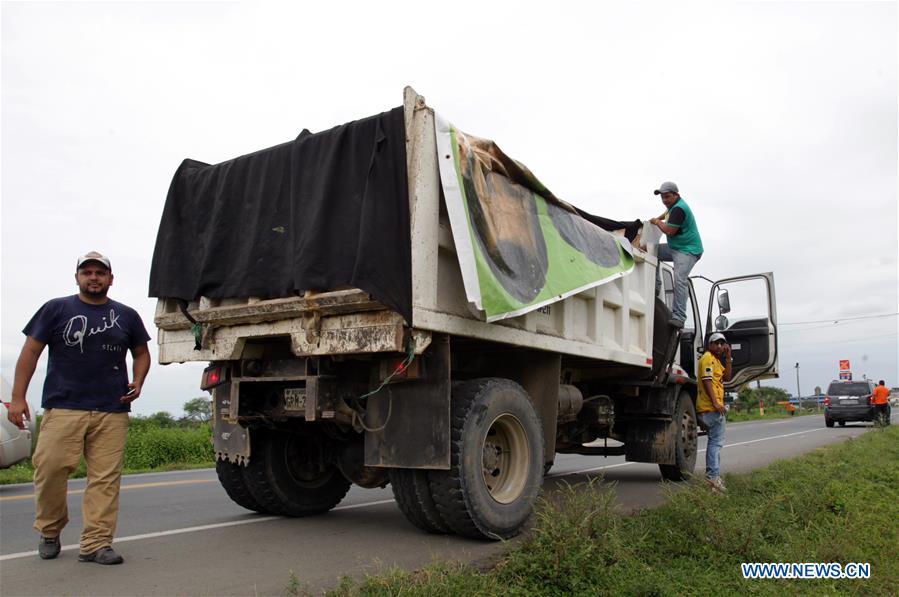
(158, 442)
(771, 412)
(838, 504)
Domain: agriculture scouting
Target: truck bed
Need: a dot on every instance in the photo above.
(611, 322)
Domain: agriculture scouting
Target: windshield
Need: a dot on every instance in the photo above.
(848, 389)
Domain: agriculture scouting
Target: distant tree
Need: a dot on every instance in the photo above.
(162, 419)
(198, 410)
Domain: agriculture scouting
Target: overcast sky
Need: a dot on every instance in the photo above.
(777, 120)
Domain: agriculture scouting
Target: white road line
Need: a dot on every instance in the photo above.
(752, 441)
(26, 554)
(205, 527)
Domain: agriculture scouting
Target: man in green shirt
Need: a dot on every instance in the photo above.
(684, 246)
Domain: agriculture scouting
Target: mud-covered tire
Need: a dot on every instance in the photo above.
(286, 476)
(413, 496)
(232, 480)
(496, 435)
(842, 423)
(685, 443)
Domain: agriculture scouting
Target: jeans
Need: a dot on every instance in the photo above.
(683, 265)
(715, 423)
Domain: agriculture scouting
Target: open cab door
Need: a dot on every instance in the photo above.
(743, 309)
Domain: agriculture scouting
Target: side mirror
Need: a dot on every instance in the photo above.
(721, 322)
(723, 303)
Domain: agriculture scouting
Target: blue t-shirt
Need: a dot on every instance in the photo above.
(88, 343)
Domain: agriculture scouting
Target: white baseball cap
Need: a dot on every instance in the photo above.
(717, 337)
(93, 256)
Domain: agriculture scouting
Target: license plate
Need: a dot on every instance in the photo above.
(294, 398)
(850, 401)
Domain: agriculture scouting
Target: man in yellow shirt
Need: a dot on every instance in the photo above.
(714, 370)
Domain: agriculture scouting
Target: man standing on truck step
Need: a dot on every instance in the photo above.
(86, 401)
(684, 246)
(881, 401)
(715, 369)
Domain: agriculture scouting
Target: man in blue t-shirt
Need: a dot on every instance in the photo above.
(684, 246)
(86, 400)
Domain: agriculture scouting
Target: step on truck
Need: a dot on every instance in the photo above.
(394, 301)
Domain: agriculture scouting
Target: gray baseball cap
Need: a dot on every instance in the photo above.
(93, 256)
(666, 187)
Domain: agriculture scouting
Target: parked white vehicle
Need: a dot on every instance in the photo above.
(15, 443)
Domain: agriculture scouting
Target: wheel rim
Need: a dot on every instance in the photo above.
(688, 436)
(506, 459)
(301, 457)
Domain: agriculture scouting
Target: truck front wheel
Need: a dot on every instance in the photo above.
(496, 460)
(289, 475)
(685, 440)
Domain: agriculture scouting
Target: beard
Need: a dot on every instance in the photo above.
(94, 292)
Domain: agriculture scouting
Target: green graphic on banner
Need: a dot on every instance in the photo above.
(518, 250)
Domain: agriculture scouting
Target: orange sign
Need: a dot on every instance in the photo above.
(844, 365)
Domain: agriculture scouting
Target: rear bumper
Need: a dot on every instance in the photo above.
(850, 413)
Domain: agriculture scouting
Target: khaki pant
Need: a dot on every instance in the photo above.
(64, 436)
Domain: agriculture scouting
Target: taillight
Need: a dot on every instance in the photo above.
(213, 375)
(6, 404)
(827, 401)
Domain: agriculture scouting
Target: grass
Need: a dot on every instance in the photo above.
(148, 449)
(837, 504)
(771, 412)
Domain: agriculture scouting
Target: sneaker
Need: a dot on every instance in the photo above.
(717, 485)
(105, 555)
(48, 547)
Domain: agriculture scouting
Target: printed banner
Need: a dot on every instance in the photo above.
(846, 375)
(519, 247)
(844, 365)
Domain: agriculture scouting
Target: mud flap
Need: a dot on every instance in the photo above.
(230, 441)
(409, 423)
(651, 441)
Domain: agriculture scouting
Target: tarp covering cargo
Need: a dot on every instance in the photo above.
(520, 247)
(323, 211)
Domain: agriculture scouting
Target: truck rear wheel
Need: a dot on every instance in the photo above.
(413, 496)
(289, 475)
(232, 479)
(685, 442)
(496, 460)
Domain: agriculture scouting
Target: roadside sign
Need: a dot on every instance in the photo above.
(844, 365)
(846, 375)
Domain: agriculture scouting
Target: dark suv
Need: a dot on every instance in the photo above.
(849, 401)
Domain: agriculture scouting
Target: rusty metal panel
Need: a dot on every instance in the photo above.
(409, 422)
(230, 441)
(355, 333)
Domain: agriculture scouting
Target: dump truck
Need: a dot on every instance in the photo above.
(394, 301)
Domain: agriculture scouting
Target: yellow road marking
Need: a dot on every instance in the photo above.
(30, 496)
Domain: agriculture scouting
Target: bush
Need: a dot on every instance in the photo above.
(151, 447)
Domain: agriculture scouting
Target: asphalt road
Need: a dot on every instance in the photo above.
(181, 535)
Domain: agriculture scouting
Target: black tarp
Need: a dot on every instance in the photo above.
(326, 210)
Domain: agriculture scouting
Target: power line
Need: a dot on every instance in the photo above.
(836, 320)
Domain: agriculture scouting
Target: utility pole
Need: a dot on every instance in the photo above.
(798, 391)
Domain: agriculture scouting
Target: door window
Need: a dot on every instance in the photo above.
(743, 310)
